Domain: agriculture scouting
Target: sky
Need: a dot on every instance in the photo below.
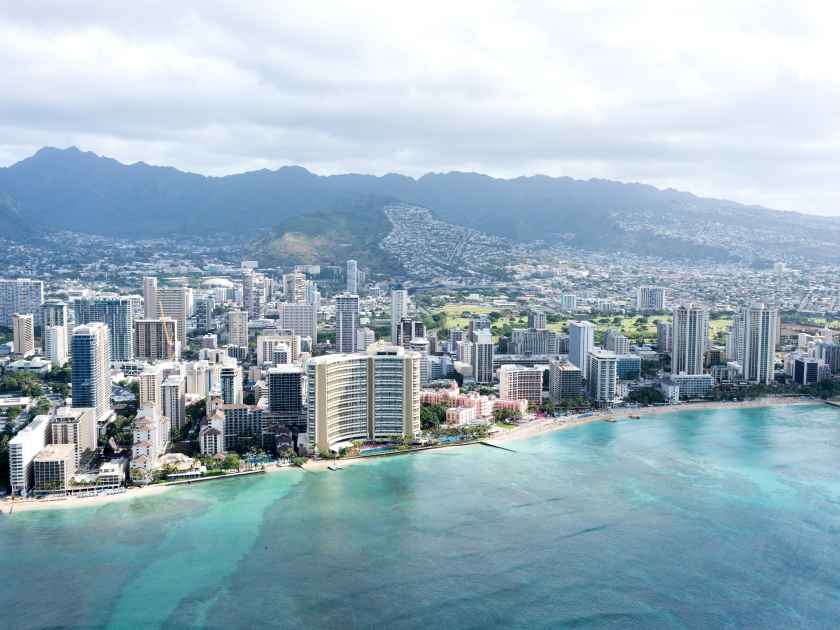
(739, 100)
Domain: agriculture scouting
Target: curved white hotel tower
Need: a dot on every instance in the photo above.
(363, 396)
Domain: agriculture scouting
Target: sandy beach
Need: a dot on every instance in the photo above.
(523, 431)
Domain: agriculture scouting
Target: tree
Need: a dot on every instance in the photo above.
(548, 407)
(231, 462)
(12, 413)
(432, 416)
(646, 396)
(42, 406)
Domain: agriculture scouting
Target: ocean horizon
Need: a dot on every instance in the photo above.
(724, 518)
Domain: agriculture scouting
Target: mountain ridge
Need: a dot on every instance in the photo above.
(82, 191)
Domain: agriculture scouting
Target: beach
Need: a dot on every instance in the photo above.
(526, 430)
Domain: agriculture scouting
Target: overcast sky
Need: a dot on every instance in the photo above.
(732, 99)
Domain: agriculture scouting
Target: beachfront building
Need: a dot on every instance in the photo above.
(690, 334)
(564, 381)
(692, 386)
(517, 382)
(53, 468)
(150, 437)
(75, 426)
(23, 448)
(602, 376)
(374, 395)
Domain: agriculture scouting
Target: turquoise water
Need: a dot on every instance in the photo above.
(722, 519)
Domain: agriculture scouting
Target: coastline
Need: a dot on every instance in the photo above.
(524, 431)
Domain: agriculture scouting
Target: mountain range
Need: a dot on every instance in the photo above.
(84, 192)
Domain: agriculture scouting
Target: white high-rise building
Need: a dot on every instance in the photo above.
(581, 343)
(399, 310)
(23, 448)
(294, 287)
(664, 335)
(56, 313)
(173, 401)
(759, 322)
(568, 302)
(363, 396)
(150, 380)
(231, 382)
(23, 334)
(482, 357)
(603, 376)
(55, 345)
(22, 296)
(91, 376)
(650, 299)
(364, 337)
(352, 277)
(237, 328)
(690, 334)
(150, 305)
(615, 342)
(517, 382)
(346, 322)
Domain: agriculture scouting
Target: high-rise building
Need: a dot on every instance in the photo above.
(373, 395)
(23, 448)
(154, 339)
(253, 293)
(151, 379)
(352, 277)
(615, 342)
(237, 328)
(806, 370)
(409, 329)
(173, 303)
(91, 376)
(76, 426)
(399, 310)
(300, 318)
(55, 345)
(346, 322)
(22, 296)
(568, 302)
(602, 376)
(23, 334)
(663, 336)
(759, 325)
(536, 320)
(564, 380)
(173, 401)
(203, 308)
(517, 382)
(482, 357)
(364, 337)
(118, 314)
(581, 343)
(294, 287)
(55, 313)
(650, 299)
(53, 468)
(690, 334)
(231, 382)
(533, 341)
(285, 397)
(150, 305)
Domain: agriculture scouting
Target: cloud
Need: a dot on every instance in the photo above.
(732, 101)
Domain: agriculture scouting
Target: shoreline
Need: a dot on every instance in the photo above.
(524, 431)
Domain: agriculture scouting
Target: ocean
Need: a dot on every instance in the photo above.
(694, 519)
